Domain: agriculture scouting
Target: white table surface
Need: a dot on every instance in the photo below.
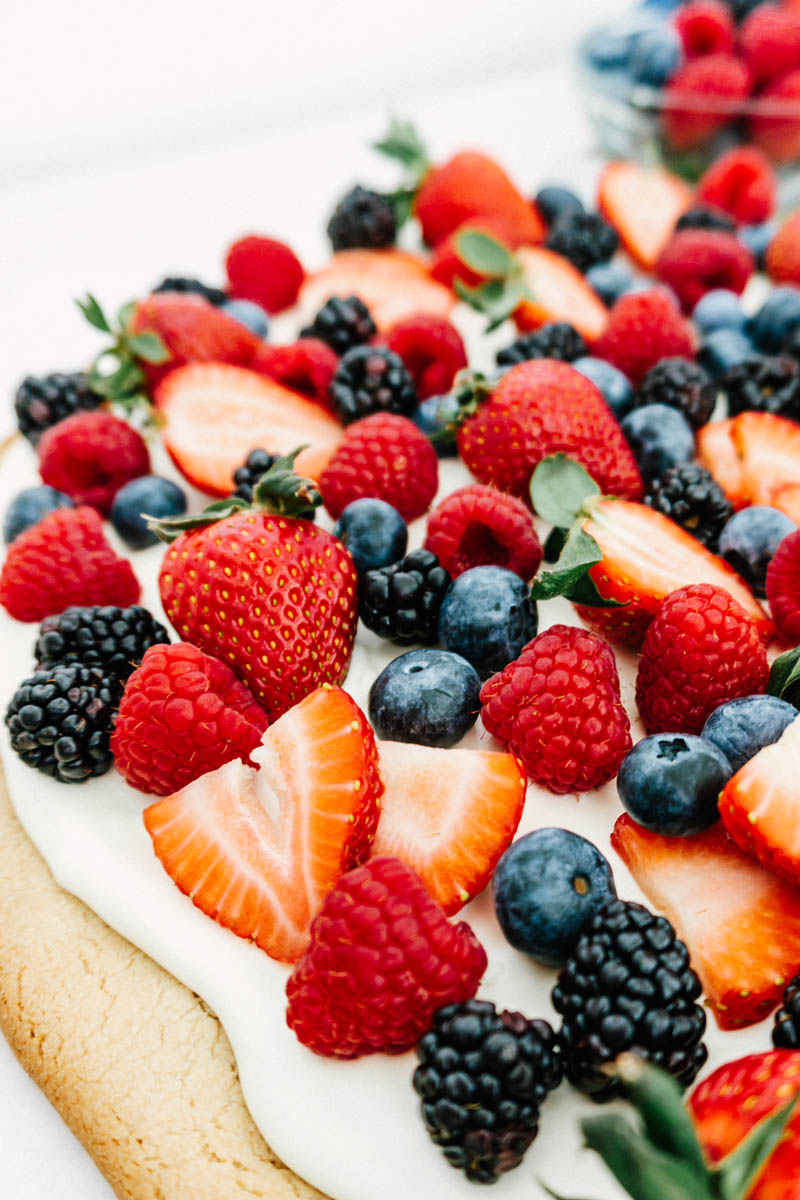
(117, 229)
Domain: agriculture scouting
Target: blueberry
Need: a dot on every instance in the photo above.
(719, 309)
(660, 437)
(150, 495)
(546, 885)
(430, 697)
(670, 782)
(616, 388)
(29, 507)
(610, 51)
(434, 416)
(553, 200)
(756, 238)
(724, 348)
(740, 728)
(609, 280)
(249, 314)
(374, 533)
(778, 316)
(749, 541)
(487, 617)
(657, 54)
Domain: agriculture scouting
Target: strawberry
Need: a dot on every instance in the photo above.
(393, 285)
(557, 292)
(258, 850)
(448, 814)
(192, 330)
(214, 415)
(753, 457)
(775, 126)
(446, 263)
(717, 452)
(783, 252)
(740, 923)
(643, 204)
(272, 596)
(786, 498)
(759, 805)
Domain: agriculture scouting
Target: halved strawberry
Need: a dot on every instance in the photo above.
(192, 331)
(643, 204)
(740, 922)
(449, 814)
(769, 448)
(214, 415)
(717, 451)
(558, 292)
(760, 805)
(645, 557)
(786, 498)
(392, 284)
(258, 850)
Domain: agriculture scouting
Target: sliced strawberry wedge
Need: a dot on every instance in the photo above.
(259, 850)
(643, 204)
(214, 415)
(448, 814)
(392, 284)
(769, 448)
(760, 805)
(786, 499)
(558, 292)
(740, 922)
(717, 451)
(645, 557)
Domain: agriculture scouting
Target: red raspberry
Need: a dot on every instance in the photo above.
(776, 129)
(694, 261)
(64, 559)
(783, 587)
(307, 366)
(558, 708)
(382, 959)
(741, 183)
(90, 455)
(264, 270)
(783, 252)
(477, 526)
(705, 27)
(431, 349)
(182, 714)
(701, 98)
(642, 329)
(769, 40)
(386, 456)
(700, 650)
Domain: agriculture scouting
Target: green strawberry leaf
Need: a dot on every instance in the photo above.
(167, 529)
(125, 315)
(496, 298)
(659, 1101)
(570, 576)
(149, 347)
(401, 202)
(784, 677)
(555, 1195)
(484, 254)
(94, 313)
(554, 544)
(403, 144)
(645, 1171)
(280, 491)
(735, 1175)
(559, 488)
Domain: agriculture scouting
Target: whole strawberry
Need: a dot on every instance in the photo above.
(558, 708)
(644, 328)
(90, 455)
(272, 595)
(700, 650)
(383, 456)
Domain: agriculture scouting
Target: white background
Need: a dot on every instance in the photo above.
(104, 104)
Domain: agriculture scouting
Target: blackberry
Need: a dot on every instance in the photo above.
(60, 720)
(103, 636)
(701, 217)
(257, 463)
(176, 283)
(371, 379)
(693, 499)
(681, 384)
(786, 1031)
(483, 1076)
(44, 401)
(342, 324)
(584, 238)
(763, 384)
(628, 986)
(362, 218)
(791, 347)
(556, 339)
(402, 601)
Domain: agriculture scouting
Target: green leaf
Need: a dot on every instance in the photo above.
(555, 1195)
(168, 528)
(401, 201)
(497, 298)
(735, 1175)
(643, 1170)
(404, 145)
(149, 347)
(280, 491)
(118, 384)
(659, 1102)
(484, 254)
(554, 544)
(784, 677)
(94, 313)
(559, 488)
(579, 554)
(125, 315)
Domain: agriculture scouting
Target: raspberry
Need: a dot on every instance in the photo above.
(558, 708)
(700, 650)
(306, 366)
(385, 456)
(642, 329)
(696, 261)
(776, 127)
(770, 41)
(705, 27)
(264, 270)
(479, 526)
(382, 959)
(783, 587)
(62, 560)
(783, 252)
(90, 455)
(182, 714)
(741, 183)
(432, 350)
(701, 98)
